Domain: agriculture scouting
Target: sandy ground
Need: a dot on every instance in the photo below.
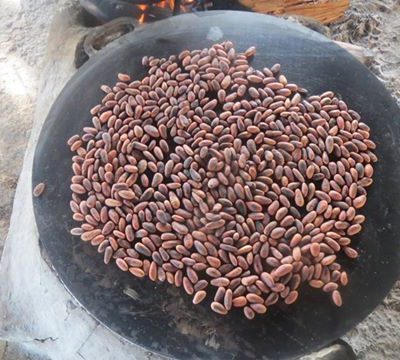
(24, 27)
(375, 24)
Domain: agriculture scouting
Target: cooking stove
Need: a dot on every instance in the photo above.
(152, 10)
(116, 18)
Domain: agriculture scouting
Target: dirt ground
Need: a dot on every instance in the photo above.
(24, 28)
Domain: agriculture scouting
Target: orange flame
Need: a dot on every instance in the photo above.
(141, 19)
(162, 4)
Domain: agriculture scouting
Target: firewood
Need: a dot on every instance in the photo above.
(325, 11)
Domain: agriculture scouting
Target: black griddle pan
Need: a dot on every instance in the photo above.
(161, 318)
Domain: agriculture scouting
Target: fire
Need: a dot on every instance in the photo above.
(164, 4)
(141, 19)
(143, 8)
(146, 10)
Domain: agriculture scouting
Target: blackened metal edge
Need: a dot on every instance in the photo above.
(158, 318)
